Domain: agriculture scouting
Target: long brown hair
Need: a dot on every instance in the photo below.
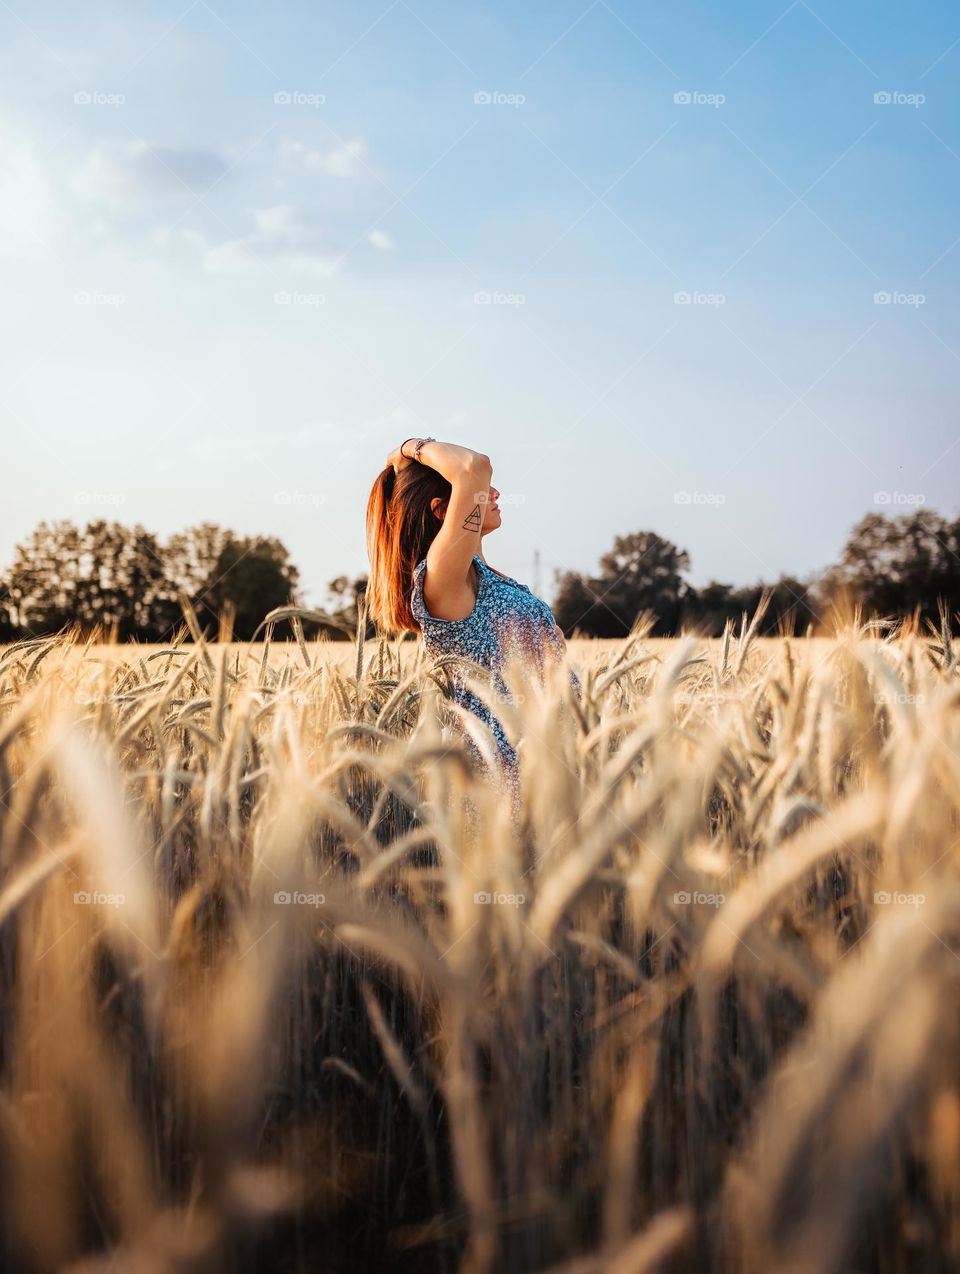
(401, 526)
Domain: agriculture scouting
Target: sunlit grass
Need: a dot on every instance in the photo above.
(284, 987)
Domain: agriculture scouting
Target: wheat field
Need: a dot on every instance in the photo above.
(284, 988)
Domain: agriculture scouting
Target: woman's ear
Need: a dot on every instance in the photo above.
(436, 505)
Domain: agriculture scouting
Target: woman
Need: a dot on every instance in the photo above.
(428, 511)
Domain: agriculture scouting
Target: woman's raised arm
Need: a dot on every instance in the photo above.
(448, 458)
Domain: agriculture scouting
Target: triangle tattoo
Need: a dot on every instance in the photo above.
(473, 521)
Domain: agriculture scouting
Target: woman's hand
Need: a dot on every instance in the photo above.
(398, 459)
(448, 458)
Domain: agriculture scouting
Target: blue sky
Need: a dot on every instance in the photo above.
(674, 267)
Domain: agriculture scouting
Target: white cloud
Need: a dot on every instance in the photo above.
(346, 160)
(169, 238)
(31, 209)
(134, 172)
(283, 234)
(279, 220)
(342, 161)
(117, 203)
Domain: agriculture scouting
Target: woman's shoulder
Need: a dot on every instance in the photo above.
(419, 607)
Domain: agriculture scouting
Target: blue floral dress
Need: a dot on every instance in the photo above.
(507, 619)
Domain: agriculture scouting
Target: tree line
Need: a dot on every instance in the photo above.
(891, 567)
(128, 583)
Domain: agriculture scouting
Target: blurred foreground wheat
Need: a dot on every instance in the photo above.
(283, 987)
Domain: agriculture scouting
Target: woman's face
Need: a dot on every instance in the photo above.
(491, 514)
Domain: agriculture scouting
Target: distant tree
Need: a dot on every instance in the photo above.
(898, 565)
(256, 575)
(793, 607)
(190, 560)
(345, 591)
(38, 587)
(126, 580)
(192, 554)
(9, 631)
(643, 571)
(345, 594)
(106, 574)
(573, 604)
(709, 608)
